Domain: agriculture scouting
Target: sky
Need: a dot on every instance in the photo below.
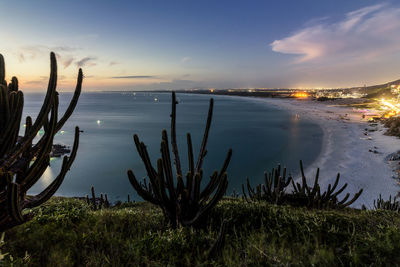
(150, 45)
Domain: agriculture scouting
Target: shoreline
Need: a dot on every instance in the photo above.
(359, 155)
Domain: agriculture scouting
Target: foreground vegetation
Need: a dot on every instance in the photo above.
(66, 232)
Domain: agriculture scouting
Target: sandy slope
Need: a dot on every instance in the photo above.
(345, 149)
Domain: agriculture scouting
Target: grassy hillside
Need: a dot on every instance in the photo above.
(65, 232)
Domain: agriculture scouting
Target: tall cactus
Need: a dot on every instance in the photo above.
(22, 163)
(184, 204)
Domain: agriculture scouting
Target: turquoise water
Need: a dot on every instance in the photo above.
(260, 135)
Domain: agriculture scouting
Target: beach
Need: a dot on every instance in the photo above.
(357, 154)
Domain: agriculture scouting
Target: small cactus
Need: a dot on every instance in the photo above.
(97, 203)
(312, 197)
(273, 190)
(381, 204)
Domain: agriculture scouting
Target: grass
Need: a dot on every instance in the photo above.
(65, 232)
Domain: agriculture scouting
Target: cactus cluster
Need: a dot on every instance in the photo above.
(302, 194)
(22, 163)
(273, 190)
(312, 197)
(390, 204)
(184, 203)
(97, 203)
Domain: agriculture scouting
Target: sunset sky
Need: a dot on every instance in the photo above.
(135, 45)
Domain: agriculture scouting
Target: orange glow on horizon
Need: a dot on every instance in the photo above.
(301, 95)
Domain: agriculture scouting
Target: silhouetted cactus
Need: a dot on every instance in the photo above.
(183, 204)
(97, 203)
(313, 198)
(21, 162)
(273, 189)
(381, 204)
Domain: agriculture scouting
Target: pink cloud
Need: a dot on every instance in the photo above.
(368, 33)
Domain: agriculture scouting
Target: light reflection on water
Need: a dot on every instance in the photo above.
(47, 177)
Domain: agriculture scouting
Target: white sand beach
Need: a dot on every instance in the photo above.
(346, 149)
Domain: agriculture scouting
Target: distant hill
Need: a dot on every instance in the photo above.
(376, 91)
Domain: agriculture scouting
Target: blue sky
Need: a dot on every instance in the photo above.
(132, 45)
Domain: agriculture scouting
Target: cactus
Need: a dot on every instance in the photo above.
(273, 189)
(97, 203)
(183, 204)
(21, 162)
(381, 204)
(313, 198)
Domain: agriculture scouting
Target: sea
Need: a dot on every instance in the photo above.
(260, 135)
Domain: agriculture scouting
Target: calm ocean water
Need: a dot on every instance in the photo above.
(260, 136)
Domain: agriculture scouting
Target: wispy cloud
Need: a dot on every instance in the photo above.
(21, 57)
(63, 54)
(135, 77)
(64, 48)
(86, 61)
(186, 59)
(365, 34)
(113, 63)
(67, 61)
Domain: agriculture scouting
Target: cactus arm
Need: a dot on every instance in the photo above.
(303, 179)
(50, 190)
(180, 186)
(212, 185)
(196, 189)
(244, 194)
(42, 116)
(10, 134)
(42, 160)
(316, 186)
(13, 86)
(202, 151)
(339, 191)
(13, 205)
(356, 196)
(166, 160)
(51, 92)
(140, 190)
(174, 145)
(53, 187)
(214, 200)
(141, 148)
(73, 102)
(190, 157)
(161, 183)
(2, 70)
